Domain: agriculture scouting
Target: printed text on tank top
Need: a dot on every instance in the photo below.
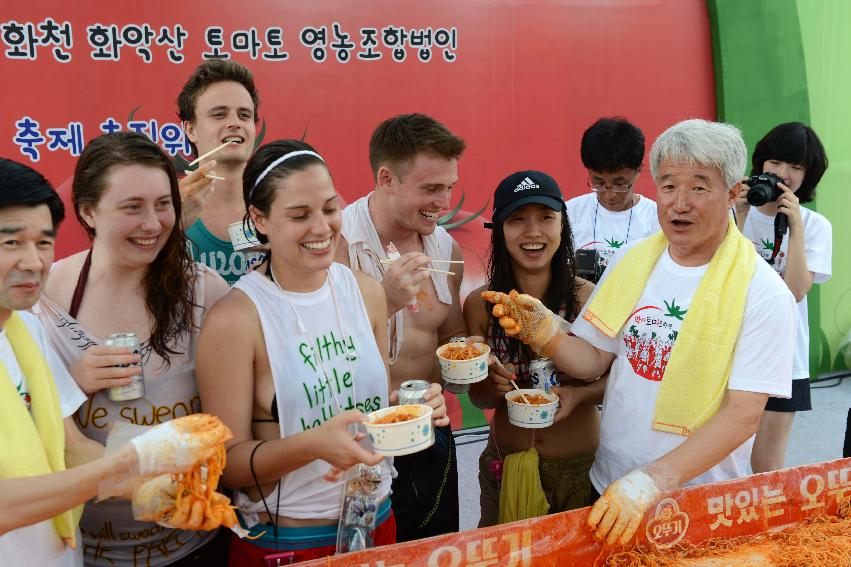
(77, 300)
(303, 328)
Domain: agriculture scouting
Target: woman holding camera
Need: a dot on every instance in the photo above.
(801, 255)
(532, 252)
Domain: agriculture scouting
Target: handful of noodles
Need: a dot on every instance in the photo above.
(460, 352)
(189, 500)
(822, 541)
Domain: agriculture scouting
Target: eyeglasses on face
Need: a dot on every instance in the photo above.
(616, 188)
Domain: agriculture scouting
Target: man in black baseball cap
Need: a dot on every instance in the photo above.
(522, 188)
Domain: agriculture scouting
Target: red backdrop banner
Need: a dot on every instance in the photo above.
(519, 80)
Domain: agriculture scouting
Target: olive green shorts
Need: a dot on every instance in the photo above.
(565, 481)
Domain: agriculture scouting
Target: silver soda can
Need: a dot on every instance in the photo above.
(543, 374)
(135, 389)
(412, 392)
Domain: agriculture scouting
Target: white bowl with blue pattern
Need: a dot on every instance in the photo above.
(404, 437)
(530, 416)
(464, 371)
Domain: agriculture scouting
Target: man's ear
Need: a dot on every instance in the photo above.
(734, 193)
(189, 130)
(384, 178)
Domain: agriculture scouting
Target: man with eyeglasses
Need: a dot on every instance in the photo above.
(612, 214)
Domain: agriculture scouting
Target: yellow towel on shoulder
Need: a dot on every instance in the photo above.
(521, 496)
(697, 373)
(33, 444)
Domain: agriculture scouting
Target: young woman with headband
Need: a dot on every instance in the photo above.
(291, 360)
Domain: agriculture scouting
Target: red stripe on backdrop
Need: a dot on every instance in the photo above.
(527, 78)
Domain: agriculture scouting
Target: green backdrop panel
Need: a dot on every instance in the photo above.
(827, 46)
(778, 61)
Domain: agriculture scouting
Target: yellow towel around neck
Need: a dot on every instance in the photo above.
(521, 496)
(33, 443)
(697, 373)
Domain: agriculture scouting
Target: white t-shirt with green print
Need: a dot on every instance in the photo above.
(818, 248)
(597, 228)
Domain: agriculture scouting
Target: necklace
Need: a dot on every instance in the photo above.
(312, 342)
(628, 226)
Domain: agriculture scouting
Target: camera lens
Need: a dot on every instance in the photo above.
(760, 194)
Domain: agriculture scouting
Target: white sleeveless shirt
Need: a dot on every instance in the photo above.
(304, 398)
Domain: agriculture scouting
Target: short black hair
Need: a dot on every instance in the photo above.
(793, 142)
(21, 185)
(611, 144)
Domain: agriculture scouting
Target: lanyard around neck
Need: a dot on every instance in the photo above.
(628, 226)
(318, 355)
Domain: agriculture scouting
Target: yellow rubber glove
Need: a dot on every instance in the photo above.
(528, 320)
(617, 514)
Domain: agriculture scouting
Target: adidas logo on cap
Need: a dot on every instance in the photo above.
(526, 184)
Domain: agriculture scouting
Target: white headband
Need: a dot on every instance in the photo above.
(278, 162)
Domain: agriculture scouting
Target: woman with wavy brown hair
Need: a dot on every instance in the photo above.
(137, 277)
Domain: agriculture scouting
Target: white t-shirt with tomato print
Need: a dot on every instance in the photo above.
(595, 227)
(818, 246)
(762, 362)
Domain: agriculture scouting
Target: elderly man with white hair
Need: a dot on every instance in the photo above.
(695, 293)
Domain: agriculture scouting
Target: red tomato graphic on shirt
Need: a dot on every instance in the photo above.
(649, 337)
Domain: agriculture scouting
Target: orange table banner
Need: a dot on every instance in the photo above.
(744, 506)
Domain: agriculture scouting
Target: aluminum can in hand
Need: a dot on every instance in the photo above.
(543, 374)
(135, 389)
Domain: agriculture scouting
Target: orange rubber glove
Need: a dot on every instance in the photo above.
(527, 319)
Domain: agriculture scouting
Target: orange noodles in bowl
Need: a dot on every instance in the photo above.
(459, 351)
(462, 363)
(402, 414)
(533, 399)
(400, 430)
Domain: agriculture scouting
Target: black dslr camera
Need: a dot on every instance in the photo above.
(590, 265)
(763, 189)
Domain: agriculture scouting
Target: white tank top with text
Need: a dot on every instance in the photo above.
(305, 399)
